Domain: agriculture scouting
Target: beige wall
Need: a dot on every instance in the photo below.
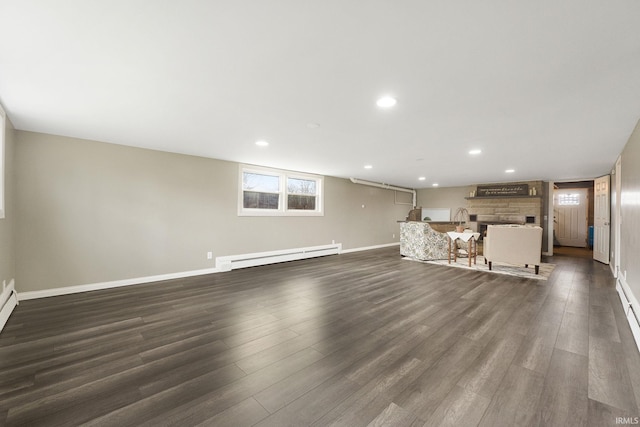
(93, 212)
(630, 209)
(446, 197)
(7, 248)
(80, 212)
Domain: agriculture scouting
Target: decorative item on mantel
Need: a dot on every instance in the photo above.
(461, 216)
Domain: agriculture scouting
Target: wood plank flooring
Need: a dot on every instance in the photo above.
(349, 340)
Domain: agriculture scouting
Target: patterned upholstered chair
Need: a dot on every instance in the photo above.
(418, 240)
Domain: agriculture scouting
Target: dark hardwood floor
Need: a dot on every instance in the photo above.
(352, 340)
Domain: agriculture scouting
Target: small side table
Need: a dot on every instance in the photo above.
(470, 239)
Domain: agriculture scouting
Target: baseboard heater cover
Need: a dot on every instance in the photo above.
(630, 306)
(228, 263)
(225, 263)
(8, 301)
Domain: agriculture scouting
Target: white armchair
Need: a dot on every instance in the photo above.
(513, 244)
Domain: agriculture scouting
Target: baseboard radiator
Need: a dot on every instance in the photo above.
(631, 307)
(227, 263)
(8, 301)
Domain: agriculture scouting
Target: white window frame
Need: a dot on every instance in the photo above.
(282, 210)
(3, 130)
(565, 199)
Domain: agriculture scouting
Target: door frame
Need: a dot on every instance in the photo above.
(581, 223)
(579, 183)
(617, 216)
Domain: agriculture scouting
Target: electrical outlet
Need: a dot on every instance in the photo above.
(333, 242)
(209, 255)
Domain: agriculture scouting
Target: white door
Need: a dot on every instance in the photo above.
(571, 216)
(618, 218)
(601, 219)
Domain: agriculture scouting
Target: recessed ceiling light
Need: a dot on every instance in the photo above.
(386, 102)
(475, 152)
(435, 184)
(368, 166)
(422, 178)
(510, 171)
(262, 143)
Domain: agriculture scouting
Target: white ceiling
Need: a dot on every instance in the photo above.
(549, 88)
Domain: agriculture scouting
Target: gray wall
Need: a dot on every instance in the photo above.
(7, 248)
(630, 209)
(446, 197)
(92, 212)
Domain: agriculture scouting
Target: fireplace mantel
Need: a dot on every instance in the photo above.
(503, 197)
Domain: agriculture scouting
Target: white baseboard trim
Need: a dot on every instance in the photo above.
(23, 296)
(630, 306)
(8, 301)
(368, 248)
(233, 261)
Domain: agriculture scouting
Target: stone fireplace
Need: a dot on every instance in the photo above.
(508, 209)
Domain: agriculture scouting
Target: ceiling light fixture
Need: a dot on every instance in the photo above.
(262, 143)
(368, 166)
(386, 102)
(510, 171)
(422, 178)
(435, 184)
(475, 152)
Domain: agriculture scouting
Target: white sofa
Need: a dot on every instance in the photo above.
(513, 244)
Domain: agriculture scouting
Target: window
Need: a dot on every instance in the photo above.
(568, 199)
(301, 194)
(260, 191)
(275, 192)
(3, 128)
